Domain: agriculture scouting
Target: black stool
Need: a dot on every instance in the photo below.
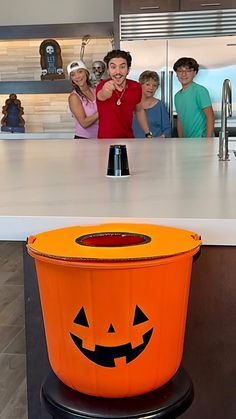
(169, 401)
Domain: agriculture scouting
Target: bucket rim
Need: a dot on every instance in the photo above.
(114, 242)
(111, 263)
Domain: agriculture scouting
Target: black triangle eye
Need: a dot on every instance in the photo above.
(111, 329)
(139, 316)
(81, 318)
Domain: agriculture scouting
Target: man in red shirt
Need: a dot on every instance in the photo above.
(118, 98)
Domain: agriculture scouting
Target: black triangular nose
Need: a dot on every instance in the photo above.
(111, 329)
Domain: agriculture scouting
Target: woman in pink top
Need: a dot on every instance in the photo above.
(82, 101)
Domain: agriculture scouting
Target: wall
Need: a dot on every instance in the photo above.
(20, 61)
(31, 12)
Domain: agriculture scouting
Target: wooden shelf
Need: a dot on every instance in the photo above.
(70, 30)
(65, 30)
(38, 86)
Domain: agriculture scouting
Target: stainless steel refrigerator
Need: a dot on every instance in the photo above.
(156, 46)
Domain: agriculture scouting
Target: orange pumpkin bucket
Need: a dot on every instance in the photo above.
(114, 299)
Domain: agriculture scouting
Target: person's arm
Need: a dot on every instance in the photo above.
(77, 110)
(210, 121)
(106, 91)
(142, 118)
(179, 128)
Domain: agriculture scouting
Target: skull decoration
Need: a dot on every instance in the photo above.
(51, 61)
(98, 69)
(98, 72)
(49, 49)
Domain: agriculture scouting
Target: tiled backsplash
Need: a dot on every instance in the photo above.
(20, 61)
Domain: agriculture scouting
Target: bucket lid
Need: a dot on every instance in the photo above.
(121, 241)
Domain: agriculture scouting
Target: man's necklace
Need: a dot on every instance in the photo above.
(119, 100)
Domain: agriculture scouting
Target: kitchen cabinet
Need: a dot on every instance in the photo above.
(188, 5)
(153, 19)
(148, 6)
(155, 6)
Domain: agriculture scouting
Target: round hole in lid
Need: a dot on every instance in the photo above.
(112, 239)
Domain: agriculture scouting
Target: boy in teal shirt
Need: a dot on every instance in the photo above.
(195, 116)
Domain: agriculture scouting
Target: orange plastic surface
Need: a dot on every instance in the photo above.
(117, 242)
(115, 332)
(114, 328)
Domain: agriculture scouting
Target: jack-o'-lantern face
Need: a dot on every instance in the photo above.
(106, 355)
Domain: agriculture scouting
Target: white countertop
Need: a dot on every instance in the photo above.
(36, 135)
(45, 184)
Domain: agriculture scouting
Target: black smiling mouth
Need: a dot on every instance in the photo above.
(106, 355)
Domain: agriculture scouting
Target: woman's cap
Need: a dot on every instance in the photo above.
(76, 65)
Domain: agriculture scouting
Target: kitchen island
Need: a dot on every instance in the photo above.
(54, 183)
(48, 184)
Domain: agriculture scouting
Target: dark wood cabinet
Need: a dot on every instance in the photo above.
(186, 5)
(157, 13)
(148, 6)
(155, 6)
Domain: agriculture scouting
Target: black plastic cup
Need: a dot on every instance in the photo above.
(118, 161)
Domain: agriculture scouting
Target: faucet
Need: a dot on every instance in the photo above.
(226, 111)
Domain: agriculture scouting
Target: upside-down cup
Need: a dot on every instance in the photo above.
(118, 165)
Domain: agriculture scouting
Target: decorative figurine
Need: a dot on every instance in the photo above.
(51, 61)
(112, 40)
(98, 67)
(98, 72)
(13, 111)
(85, 40)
